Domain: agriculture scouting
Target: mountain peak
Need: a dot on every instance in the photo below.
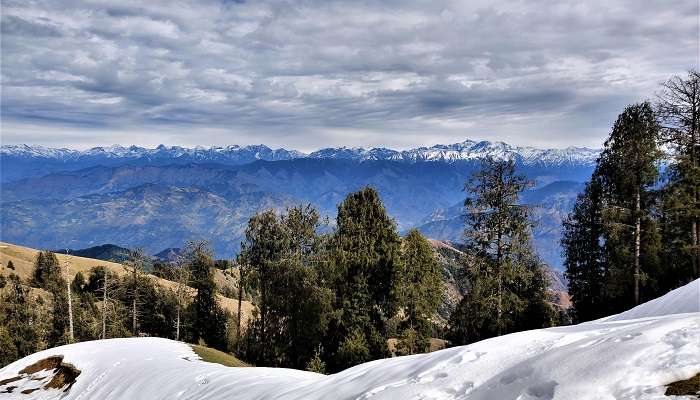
(236, 155)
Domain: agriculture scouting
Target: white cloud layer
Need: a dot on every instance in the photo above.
(310, 74)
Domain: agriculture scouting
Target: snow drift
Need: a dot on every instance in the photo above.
(629, 356)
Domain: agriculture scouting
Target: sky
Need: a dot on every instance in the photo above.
(321, 73)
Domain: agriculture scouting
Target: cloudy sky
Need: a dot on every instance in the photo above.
(310, 74)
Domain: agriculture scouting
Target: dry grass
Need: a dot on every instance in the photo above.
(23, 260)
(215, 356)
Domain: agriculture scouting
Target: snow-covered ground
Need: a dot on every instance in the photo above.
(629, 356)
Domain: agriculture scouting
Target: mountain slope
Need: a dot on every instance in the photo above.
(99, 204)
(622, 359)
(150, 216)
(106, 252)
(23, 259)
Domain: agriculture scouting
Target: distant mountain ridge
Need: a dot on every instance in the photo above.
(19, 161)
(105, 252)
(160, 198)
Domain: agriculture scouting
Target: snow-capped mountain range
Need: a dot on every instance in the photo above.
(467, 150)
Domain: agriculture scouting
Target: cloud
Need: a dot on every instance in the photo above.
(308, 74)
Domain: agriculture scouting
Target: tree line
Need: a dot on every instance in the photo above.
(328, 302)
(633, 233)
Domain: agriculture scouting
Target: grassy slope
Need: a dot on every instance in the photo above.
(215, 356)
(23, 260)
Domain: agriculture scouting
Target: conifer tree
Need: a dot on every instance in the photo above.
(628, 169)
(507, 282)
(182, 276)
(19, 322)
(611, 239)
(47, 270)
(316, 364)
(262, 252)
(419, 289)
(208, 318)
(365, 254)
(280, 255)
(47, 275)
(678, 109)
(584, 256)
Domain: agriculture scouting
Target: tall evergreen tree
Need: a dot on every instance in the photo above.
(679, 114)
(611, 239)
(280, 256)
(207, 317)
(46, 270)
(508, 285)
(584, 256)
(364, 256)
(308, 315)
(47, 276)
(628, 170)
(419, 289)
(262, 253)
(20, 334)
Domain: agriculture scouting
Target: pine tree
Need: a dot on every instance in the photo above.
(182, 276)
(507, 283)
(316, 364)
(261, 253)
(20, 318)
(418, 288)
(584, 258)
(47, 275)
(307, 316)
(612, 240)
(679, 114)
(280, 256)
(627, 170)
(207, 317)
(47, 270)
(364, 256)
(11, 265)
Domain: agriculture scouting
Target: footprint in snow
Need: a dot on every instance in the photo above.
(541, 391)
(628, 337)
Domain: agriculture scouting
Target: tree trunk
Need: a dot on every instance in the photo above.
(133, 311)
(499, 255)
(695, 228)
(263, 312)
(71, 338)
(637, 242)
(104, 308)
(240, 299)
(133, 304)
(177, 322)
(695, 256)
(70, 302)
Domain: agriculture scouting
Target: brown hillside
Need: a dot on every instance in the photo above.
(23, 260)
